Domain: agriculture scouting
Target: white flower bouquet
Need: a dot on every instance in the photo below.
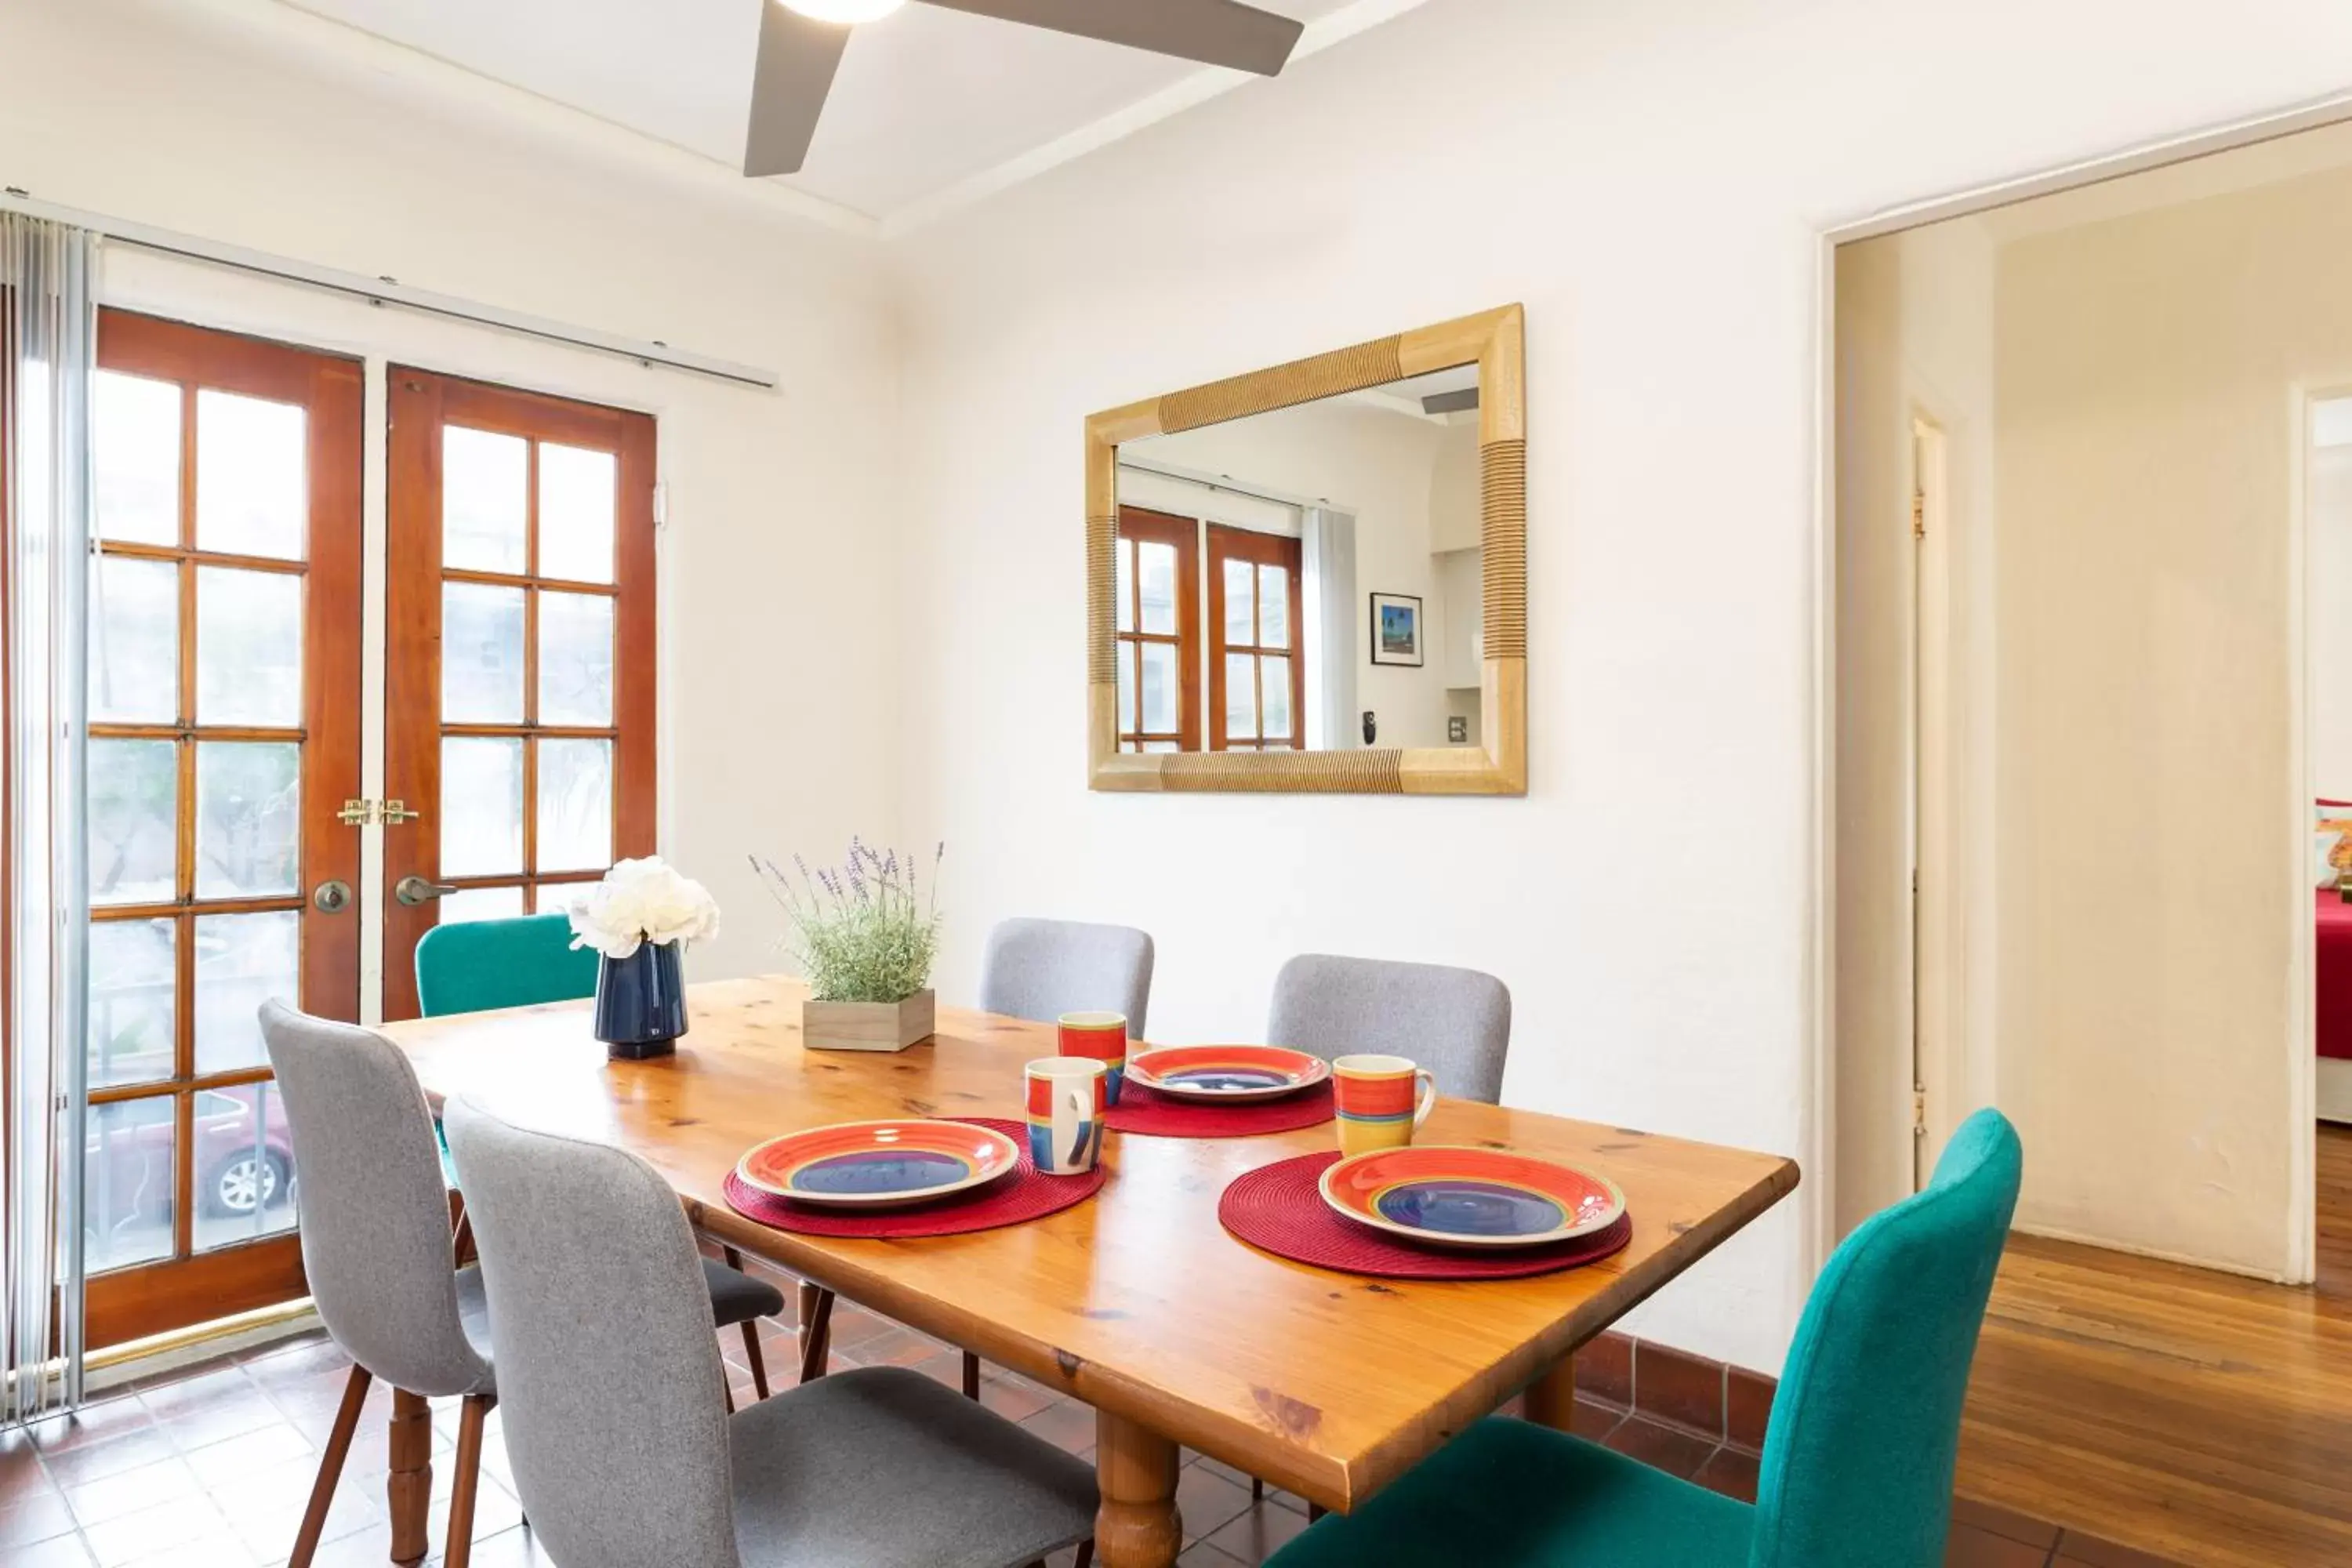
(642, 903)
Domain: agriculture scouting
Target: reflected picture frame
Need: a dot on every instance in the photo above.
(1396, 630)
(1493, 341)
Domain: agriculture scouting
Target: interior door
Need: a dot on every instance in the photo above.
(225, 738)
(519, 687)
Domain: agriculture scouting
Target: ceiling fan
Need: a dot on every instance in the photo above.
(801, 43)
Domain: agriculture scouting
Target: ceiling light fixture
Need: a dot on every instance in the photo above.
(846, 12)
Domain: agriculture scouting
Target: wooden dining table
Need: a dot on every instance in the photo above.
(1137, 1301)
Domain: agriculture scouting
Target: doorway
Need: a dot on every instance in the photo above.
(228, 675)
(2125, 373)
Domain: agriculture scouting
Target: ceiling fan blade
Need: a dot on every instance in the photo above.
(797, 62)
(1215, 32)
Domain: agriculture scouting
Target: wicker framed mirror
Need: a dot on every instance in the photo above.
(1313, 577)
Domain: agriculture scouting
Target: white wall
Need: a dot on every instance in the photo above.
(1650, 180)
(2154, 806)
(1456, 504)
(1380, 468)
(256, 126)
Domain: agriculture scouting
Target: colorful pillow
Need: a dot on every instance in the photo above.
(2332, 841)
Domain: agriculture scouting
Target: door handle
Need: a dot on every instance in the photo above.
(331, 898)
(414, 890)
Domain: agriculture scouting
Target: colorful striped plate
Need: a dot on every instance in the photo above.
(878, 1164)
(1454, 1195)
(1227, 1073)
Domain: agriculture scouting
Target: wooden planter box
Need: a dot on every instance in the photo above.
(868, 1025)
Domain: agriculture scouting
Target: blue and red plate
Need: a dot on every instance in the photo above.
(1227, 1074)
(1454, 1195)
(878, 1164)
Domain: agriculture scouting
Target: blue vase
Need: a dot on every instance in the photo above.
(641, 1003)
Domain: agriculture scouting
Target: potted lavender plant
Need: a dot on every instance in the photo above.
(865, 938)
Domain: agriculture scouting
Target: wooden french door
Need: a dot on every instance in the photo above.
(1157, 572)
(225, 737)
(519, 687)
(1257, 671)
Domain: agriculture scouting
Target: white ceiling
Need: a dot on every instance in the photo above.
(927, 100)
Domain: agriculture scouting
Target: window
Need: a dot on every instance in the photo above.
(1258, 682)
(1158, 574)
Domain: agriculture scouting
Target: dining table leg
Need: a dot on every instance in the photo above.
(1551, 1398)
(1135, 1469)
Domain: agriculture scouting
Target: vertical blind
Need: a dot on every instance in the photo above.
(1328, 564)
(48, 339)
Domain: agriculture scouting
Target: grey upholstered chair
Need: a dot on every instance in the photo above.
(1040, 969)
(1455, 1022)
(1037, 970)
(620, 1454)
(380, 1258)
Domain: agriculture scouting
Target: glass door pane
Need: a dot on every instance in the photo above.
(224, 736)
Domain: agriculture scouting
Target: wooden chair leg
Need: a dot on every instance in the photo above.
(750, 1332)
(816, 1331)
(970, 1375)
(759, 1360)
(1085, 1554)
(330, 1467)
(467, 1482)
(408, 1488)
(1257, 1483)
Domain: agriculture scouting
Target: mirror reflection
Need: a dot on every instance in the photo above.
(1305, 579)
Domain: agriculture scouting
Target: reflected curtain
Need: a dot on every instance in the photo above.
(1328, 563)
(47, 340)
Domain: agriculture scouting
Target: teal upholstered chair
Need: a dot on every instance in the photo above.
(1858, 1462)
(476, 965)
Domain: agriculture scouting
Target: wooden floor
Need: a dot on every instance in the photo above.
(2194, 1416)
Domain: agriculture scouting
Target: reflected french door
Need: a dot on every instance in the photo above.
(1257, 671)
(225, 735)
(520, 685)
(1155, 568)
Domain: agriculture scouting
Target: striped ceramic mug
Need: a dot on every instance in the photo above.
(1066, 1114)
(1380, 1101)
(1103, 1036)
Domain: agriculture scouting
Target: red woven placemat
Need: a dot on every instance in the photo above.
(1278, 1208)
(1009, 1200)
(1157, 1115)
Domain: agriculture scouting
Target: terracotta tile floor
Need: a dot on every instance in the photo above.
(210, 1468)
